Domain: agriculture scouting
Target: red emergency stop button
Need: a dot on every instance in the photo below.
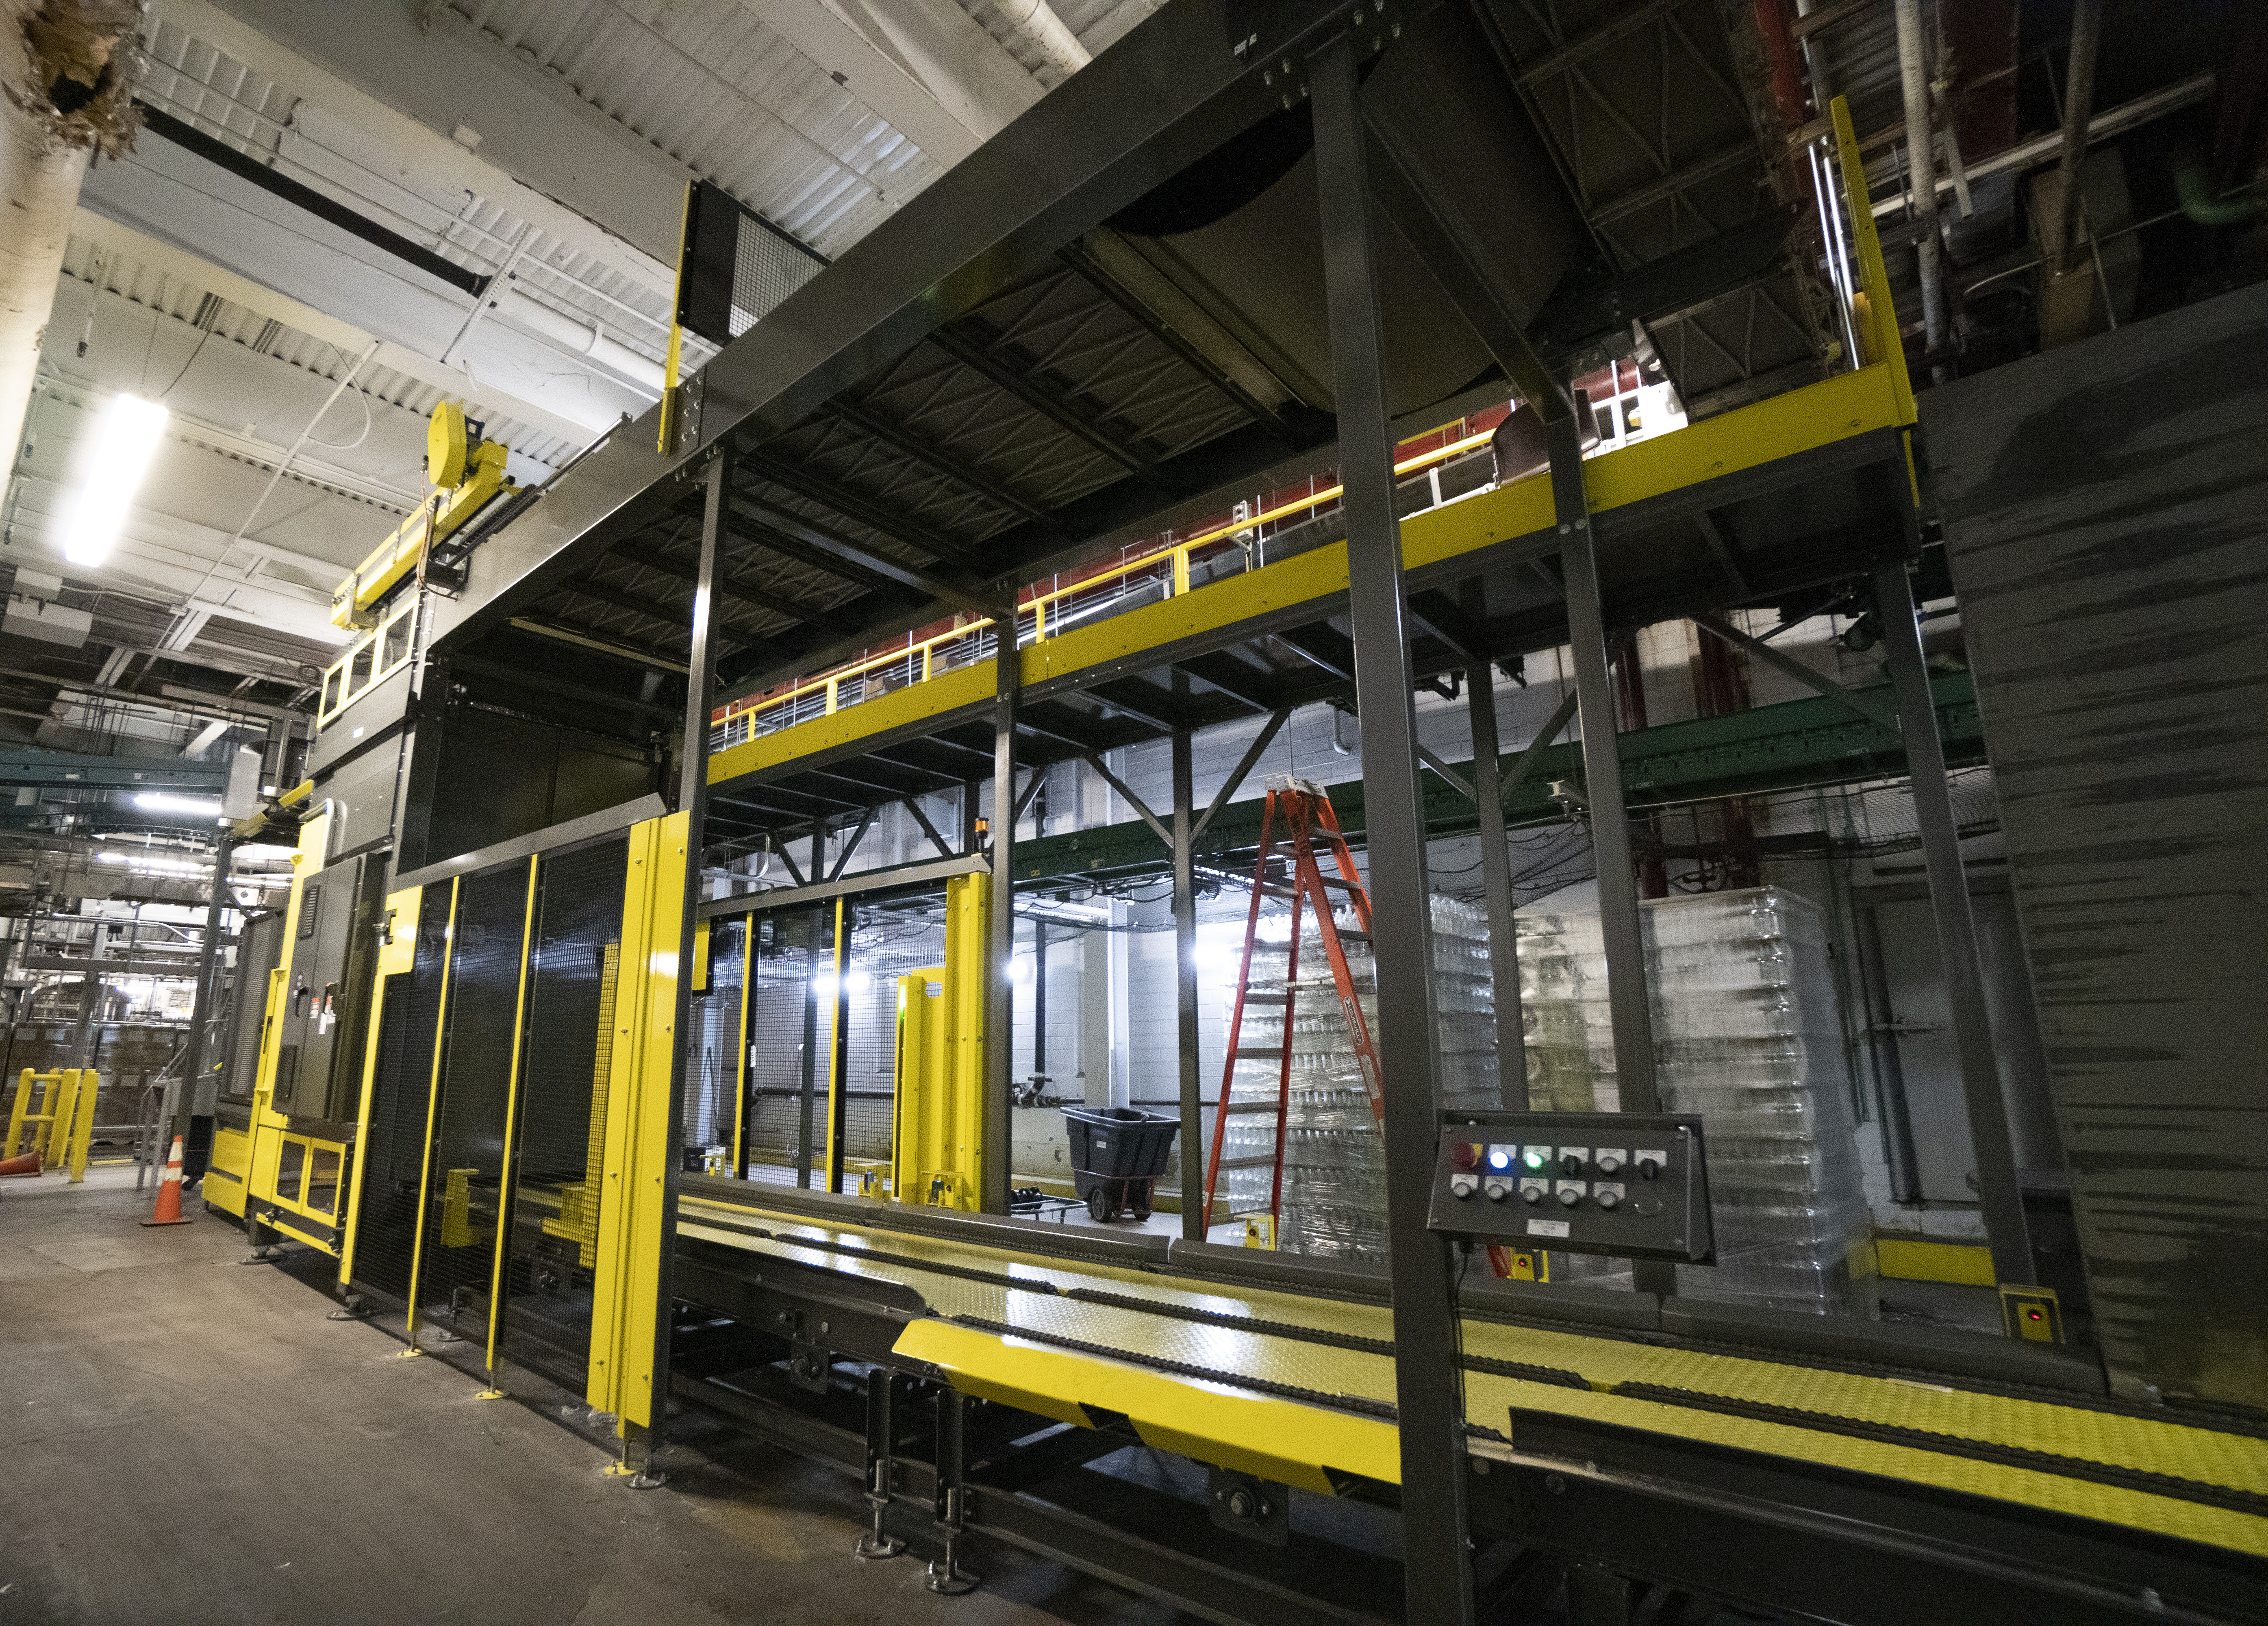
(1464, 1154)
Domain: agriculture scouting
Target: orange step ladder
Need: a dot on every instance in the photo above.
(1297, 831)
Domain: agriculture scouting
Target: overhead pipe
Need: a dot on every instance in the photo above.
(1921, 171)
(2058, 236)
(1035, 23)
(67, 72)
(582, 338)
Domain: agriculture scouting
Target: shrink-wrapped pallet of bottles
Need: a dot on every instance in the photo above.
(1747, 1036)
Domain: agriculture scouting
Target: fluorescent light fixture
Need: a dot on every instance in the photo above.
(165, 801)
(153, 867)
(125, 441)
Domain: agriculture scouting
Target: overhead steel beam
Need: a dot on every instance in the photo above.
(1229, 786)
(1873, 707)
(1110, 288)
(1572, 52)
(739, 592)
(851, 504)
(798, 538)
(939, 460)
(1643, 197)
(1427, 213)
(1167, 94)
(1050, 402)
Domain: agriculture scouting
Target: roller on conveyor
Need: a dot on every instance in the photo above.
(1933, 1480)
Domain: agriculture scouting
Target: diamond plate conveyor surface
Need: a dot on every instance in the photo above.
(1299, 1387)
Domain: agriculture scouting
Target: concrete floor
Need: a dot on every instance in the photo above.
(193, 1441)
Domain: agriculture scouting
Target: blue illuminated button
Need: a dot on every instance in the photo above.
(1500, 1157)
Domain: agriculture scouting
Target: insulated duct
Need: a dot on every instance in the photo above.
(67, 71)
(1033, 23)
(584, 340)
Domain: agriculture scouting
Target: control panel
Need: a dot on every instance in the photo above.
(1628, 1184)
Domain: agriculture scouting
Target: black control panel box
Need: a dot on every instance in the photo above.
(1628, 1184)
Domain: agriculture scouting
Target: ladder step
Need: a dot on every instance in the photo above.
(1342, 883)
(1246, 1163)
(1268, 999)
(1259, 1053)
(1236, 1106)
(1351, 934)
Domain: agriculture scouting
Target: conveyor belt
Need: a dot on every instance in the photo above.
(1214, 1371)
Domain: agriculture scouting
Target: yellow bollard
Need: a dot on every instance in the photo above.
(24, 1081)
(62, 1108)
(82, 1137)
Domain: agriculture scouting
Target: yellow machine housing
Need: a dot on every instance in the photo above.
(467, 473)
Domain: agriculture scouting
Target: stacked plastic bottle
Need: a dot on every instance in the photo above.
(1746, 1036)
(1334, 1198)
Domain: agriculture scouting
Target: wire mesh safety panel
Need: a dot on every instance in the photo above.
(554, 1237)
(394, 1156)
(794, 962)
(465, 1185)
(712, 1052)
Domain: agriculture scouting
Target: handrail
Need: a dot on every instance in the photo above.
(1177, 554)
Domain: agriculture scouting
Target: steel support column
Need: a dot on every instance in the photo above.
(1496, 887)
(1602, 778)
(1956, 928)
(999, 990)
(1427, 1387)
(183, 1102)
(1185, 983)
(693, 802)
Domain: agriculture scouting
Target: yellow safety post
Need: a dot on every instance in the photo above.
(627, 1279)
(1878, 319)
(937, 1134)
(21, 1114)
(63, 1118)
(80, 1139)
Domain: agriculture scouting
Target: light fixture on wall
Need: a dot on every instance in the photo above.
(125, 441)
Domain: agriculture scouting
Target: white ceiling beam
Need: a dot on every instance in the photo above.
(198, 272)
(926, 66)
(299, 48)
(532, 126)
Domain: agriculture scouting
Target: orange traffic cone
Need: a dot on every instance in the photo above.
(28, 1164)
(169, 1192)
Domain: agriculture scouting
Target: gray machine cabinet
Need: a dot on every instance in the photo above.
(326, 992)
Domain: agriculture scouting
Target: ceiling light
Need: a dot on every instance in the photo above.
(152, 866)
(125, 441)
(165, 801)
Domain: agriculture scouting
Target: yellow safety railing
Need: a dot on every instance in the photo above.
(377, 655)
(921, 660)
(61, 1122)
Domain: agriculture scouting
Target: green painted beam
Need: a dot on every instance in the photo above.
(1799, 742)
(65, 770)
